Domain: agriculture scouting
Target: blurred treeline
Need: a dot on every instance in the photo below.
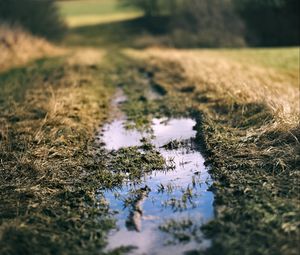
(188, 23)
(219, 23)
(41, 17)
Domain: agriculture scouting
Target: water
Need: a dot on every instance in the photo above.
(180, 194)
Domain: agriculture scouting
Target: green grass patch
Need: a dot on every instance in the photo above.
(91, 7)
(78, 13)
(284, 59)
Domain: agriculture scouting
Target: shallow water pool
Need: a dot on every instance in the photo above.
(169, 206)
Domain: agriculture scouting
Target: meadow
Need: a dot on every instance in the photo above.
(56, 97)
(78, 13)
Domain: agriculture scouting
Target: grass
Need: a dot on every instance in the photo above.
(16, 47)
(49, 171)
(241, 82)
(51, 168)
(90, 12)
(246, 103)
(91, 7)
(280, 60)
(135, 163)
(88, 20)
(250, 143)
(181, 231)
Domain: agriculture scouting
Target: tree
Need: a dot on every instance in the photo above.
(226, 22)
(39, 17)
(209, 23)
(150, 7)
(272, 22)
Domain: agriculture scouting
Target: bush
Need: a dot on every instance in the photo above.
(207, 23)
(40, 17)
(270, 23)
(226, 23)
(150, 7)
(194, 23)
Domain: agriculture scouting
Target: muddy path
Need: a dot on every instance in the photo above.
(161, 209)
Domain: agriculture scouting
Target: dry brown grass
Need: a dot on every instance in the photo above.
(69, 98)
(17, 47)
(86, 57)
(230, 79)
(48, 167)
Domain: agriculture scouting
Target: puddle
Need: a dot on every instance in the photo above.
(180, 195)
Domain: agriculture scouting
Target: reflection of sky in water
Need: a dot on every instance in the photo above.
(115, 136)
(161, 204)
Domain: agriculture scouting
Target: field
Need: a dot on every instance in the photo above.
(56, 171)
(79, 13)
